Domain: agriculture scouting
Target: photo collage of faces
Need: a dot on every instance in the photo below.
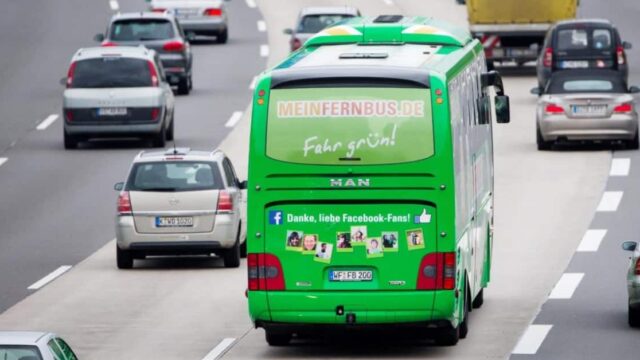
(376, 246)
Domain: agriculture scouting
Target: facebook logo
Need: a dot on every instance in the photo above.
(276, 217)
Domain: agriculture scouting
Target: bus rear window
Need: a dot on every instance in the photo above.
(349, 126)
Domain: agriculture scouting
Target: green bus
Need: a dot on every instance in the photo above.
(371, 181)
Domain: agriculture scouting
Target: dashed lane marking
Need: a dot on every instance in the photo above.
(620, 167)
(262, 26)
(49, 278)
(610, 201)
(220, 349)
(3, 160)
(253, 84)
(113, 4)
(264, 50)
(591, 240)
(388, 2)
(47, 122)
(251, 3)
(566, 286)
(532, 339)
(233, 120)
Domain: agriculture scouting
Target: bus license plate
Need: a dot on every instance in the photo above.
(351, 275)
(112, 111)
(174, 221)
(589, 109)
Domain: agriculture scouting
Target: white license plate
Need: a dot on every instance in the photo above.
(174, 221)
(184, 13)
(522, 52)
(351, 275)
(575, 64)
(112, 111)
(589, 109)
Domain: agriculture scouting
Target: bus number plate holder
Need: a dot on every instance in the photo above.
(350, 275)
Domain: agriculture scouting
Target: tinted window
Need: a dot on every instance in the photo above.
(601, 39)
(141, 30)
(109, 72)
(561, 86)
(581, 39)
(175, 176)
(315, 23)
(66, 350)
(19, 352)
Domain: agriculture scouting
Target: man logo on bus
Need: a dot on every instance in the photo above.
(276, 217)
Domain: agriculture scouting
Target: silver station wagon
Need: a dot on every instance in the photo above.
(180, 202)
(117, 92)
(586, 105)
(33, 345)
(633, 283)
(197, 17)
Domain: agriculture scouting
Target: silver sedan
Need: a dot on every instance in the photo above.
(34, 345)
(633, 283)
(586, 105)
(198, 17)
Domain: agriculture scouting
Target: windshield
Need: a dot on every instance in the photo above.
(109, 72)
(19, 352)
(175, 176)
(349, 126)
(141, 30)
(563, 86)
(581, 39)
(314, 23)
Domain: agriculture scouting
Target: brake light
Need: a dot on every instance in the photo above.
(173, 46)
(296, 44)
(69, 115)
(159, 10)
(625, 108)
(620, 55)
(124, 203)
(154, 113)
(547, 60)
(265, 272)
(108, 43)
(225, 202)
(437, 272)
(70, 73)
(553, 109)
(213, 12)
(154, 74)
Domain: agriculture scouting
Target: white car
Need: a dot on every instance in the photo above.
(197, 17)
(34, 345)
(633, 282)
(181, 201)
(314, 19)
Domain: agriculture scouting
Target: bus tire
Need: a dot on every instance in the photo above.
(277, 338)
(464, 325)
(479, 300)
(447, 336)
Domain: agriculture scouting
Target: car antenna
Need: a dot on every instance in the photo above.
(175, 150)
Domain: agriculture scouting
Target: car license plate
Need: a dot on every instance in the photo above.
(522, 53)
(575, 64)
(589, 109)
(112, 111)
(185, 13)
(174, 221)
(351, 275)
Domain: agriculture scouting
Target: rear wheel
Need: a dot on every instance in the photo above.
(171, 128)
(223, 36)
(277, 338)
(183, 86)
(231, 256)
(634, 316)
(542, 144)
(479, 300)
(464, 325)
(124, 258)
(243, 249)
(633, 144)
(70, 141)
(160, 139)
(447, 336)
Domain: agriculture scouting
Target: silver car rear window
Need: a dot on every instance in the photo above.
(175, 176)
(110, 72)
(13, 352)
(586, 85)
(141, 30)
(312, 24)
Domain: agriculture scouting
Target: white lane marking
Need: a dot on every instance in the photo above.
(591, 240)
(219, 350)
(532, 339)
(264, 50)
(620, 167)
(262, 26)
(48, 121)
(253, 84)
(3, 160)
(566, 286)
(49, 278)
(251, 3)
(610, 201)
(388, 2)
(233, 120)
(113, 4)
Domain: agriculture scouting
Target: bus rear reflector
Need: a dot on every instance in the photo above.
(265, 272)
(437, 272)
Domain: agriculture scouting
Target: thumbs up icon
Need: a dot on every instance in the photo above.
(423, 218)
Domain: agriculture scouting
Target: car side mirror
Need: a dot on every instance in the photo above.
(492, 78)
(118, 186)
(503, 113)
(243, 184)
(629, 245)
(288, 31)
(98, 38)
(627, 45)
(536, 91)
(634, 89)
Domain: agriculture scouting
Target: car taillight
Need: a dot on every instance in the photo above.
(68, 114)
(153, 73)
(265, 272)
(620, 55)
(124, 203)
(154, 113)
(108, 43)
(70, 73)
(547, 59)
(625, 108)
(637, 269)
(213, 12)
(159, 10)
(173, 46)
(553, 109)
(437, 272)
(225, 202)
(295, 44)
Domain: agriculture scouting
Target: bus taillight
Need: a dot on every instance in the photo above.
(265, 272)
(449, 272)
(437, 272)
(428, 272)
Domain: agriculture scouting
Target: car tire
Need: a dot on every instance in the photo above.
(243, 249)
(231, 256)
(542, 144)
(70, 141)
(170, 131)
(633, 144)
(124, 258)
(183, 86)
(634, 316)
(223, 37)
(160, 140)
(479, 300)
(190, 82)
(277, 338)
